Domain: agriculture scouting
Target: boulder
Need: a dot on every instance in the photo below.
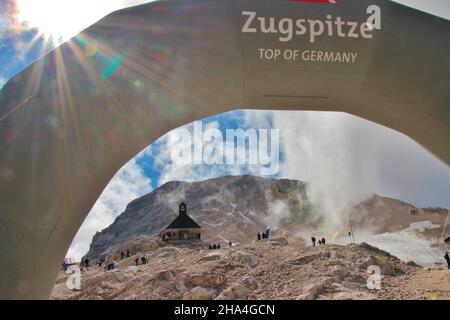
(167, 252)
(183, 283)
(212, 256)
(413, 264)
(353, 295)
(305, 258)
(311, 290)
(250, 282)
(237, 291)
(363, 265)
(248, 259)
(198, 293)
(357, 278)
(206, 279)
(368, 247)
(344, 293)
(166, 275)
(339, 272)
(278, 242)
(386, 266)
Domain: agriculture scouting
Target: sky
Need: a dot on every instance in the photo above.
(344, 157)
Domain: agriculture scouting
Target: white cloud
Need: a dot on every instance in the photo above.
(327, 150)
(170, 170)
(129, 183)
(2, 82)
(346, 159)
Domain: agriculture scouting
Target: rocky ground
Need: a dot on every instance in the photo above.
(282, 268)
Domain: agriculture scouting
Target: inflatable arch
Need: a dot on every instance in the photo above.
(75, 116)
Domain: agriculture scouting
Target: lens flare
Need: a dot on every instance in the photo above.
(60, 20)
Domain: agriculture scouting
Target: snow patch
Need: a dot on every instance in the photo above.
(405, 244)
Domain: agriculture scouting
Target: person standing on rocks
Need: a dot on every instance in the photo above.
(136, 261)
(323, 241)
(313, 239)
(259, 236)
(128, 253)
(122, 255)
(112, 265)
(447, 258)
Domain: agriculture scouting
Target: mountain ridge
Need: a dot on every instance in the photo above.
(237, 207)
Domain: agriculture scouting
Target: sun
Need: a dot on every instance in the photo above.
(59, 20)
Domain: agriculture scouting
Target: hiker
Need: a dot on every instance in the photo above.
(263, 235)
(112, 265)
(214, 246)
(122, 255)
(86, 262)
(210, 247)
(144, 260)
(323, 240)
(313, 239)
(230, 243)
(319, 242)
(447, 258)
(128, 253)
(259, 237)
(136, 261)
(218, 246)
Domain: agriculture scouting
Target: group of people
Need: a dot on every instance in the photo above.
(85, 263)
(122, 254)
(144, 260)
(320, 242)
(214, 246)
(262, 236)
(108, 262)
